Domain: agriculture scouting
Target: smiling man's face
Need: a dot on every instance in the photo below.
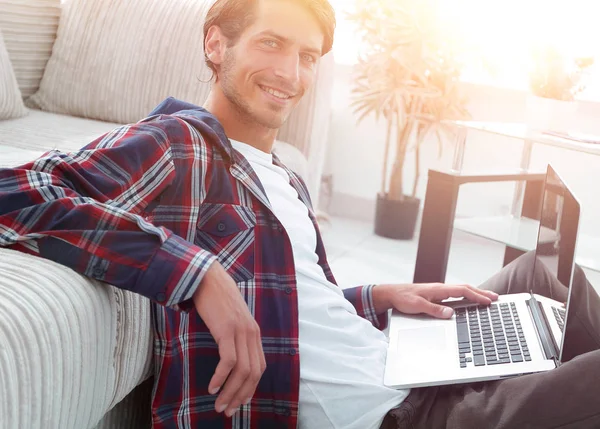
(273, 63)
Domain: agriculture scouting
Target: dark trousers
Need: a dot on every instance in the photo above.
(566, 397)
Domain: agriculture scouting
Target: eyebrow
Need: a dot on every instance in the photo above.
(288, 41)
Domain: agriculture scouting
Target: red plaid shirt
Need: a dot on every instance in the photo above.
(147, 208)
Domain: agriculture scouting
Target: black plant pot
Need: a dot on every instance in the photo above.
(396, 219)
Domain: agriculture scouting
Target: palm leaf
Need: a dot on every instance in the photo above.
(406, 62)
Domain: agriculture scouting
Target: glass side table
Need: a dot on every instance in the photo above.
(517, 231)
(518, 131)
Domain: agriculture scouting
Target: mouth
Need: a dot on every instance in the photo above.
(276, 93)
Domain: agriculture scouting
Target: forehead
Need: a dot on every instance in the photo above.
(288, 19)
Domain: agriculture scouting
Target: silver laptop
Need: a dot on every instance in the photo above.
(518, 334)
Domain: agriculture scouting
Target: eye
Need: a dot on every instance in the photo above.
(270, 43)
(308, 58)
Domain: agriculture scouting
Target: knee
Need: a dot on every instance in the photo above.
(515, 277)
(529, 256)
(524, 262)
(529, 272)
(579, 276)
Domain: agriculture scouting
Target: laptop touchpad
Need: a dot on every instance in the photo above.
(426, 339)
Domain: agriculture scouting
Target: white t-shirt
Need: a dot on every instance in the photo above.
(342, 355)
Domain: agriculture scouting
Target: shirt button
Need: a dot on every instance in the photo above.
(221, 227)
(160, 297)
(287, 412)
(280, 228)
(292, 352)
(289, 290)
(98, 272)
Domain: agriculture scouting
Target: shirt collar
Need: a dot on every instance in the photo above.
(201, 119)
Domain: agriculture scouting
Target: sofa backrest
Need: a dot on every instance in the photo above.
(115, 60)
(29, 30)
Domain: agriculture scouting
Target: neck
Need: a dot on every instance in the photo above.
(236, 126)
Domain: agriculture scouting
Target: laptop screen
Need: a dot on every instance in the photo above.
(555, 249)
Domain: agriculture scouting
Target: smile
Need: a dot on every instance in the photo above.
(275, 93)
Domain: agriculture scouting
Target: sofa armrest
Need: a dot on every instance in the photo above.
(70, 348)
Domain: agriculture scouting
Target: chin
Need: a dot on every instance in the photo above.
(271, 120)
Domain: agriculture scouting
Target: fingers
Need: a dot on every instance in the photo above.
(474, 295)
(228, 360)
(229, 400)
(442, 292)
(490, 294)
(256, 369)
(456, 291)
(435, 310)
(220, 304)
(480, 296)
(261, 354)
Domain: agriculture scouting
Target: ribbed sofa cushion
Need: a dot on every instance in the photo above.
(29, 28)
(11, 104)
(44, 131)
(115, 60)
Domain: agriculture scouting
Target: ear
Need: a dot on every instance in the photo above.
(214, 45)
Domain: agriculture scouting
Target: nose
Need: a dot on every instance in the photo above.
(288, 67)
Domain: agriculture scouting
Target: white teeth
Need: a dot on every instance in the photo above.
(275, 93)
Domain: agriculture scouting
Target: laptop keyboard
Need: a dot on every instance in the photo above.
(490, 335)
(559, 314)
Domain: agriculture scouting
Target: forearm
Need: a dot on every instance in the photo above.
(87, 209)
(124, 250)
(167, 272)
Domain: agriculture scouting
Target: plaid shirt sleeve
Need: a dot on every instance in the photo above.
(86, 210)
(362, 299)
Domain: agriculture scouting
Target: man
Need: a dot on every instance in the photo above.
(190, 209)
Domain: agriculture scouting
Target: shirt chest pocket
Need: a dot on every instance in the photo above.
(227, 231)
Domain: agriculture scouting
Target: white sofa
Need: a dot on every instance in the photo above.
(73, 350)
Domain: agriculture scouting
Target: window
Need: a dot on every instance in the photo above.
(502, 34)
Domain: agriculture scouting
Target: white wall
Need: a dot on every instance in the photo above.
(356, 154)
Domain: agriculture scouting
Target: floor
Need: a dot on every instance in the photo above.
(357, 256)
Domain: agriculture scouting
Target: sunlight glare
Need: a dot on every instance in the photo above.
(505, 33)
(514, 26)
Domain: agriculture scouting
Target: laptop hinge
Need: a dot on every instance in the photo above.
(542, 327)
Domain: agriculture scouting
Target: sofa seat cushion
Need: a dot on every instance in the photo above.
(42, 131)
(24, 139)
(71, 348)
(11, 156)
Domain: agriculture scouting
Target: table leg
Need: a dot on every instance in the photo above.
(520, 186)
(459, 149)
(436, 228)
(510, 254)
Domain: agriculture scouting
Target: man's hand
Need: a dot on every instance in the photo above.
(425, 298)
(220, 304)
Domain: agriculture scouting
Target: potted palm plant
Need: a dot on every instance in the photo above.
(554, 80)
(407, 74)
